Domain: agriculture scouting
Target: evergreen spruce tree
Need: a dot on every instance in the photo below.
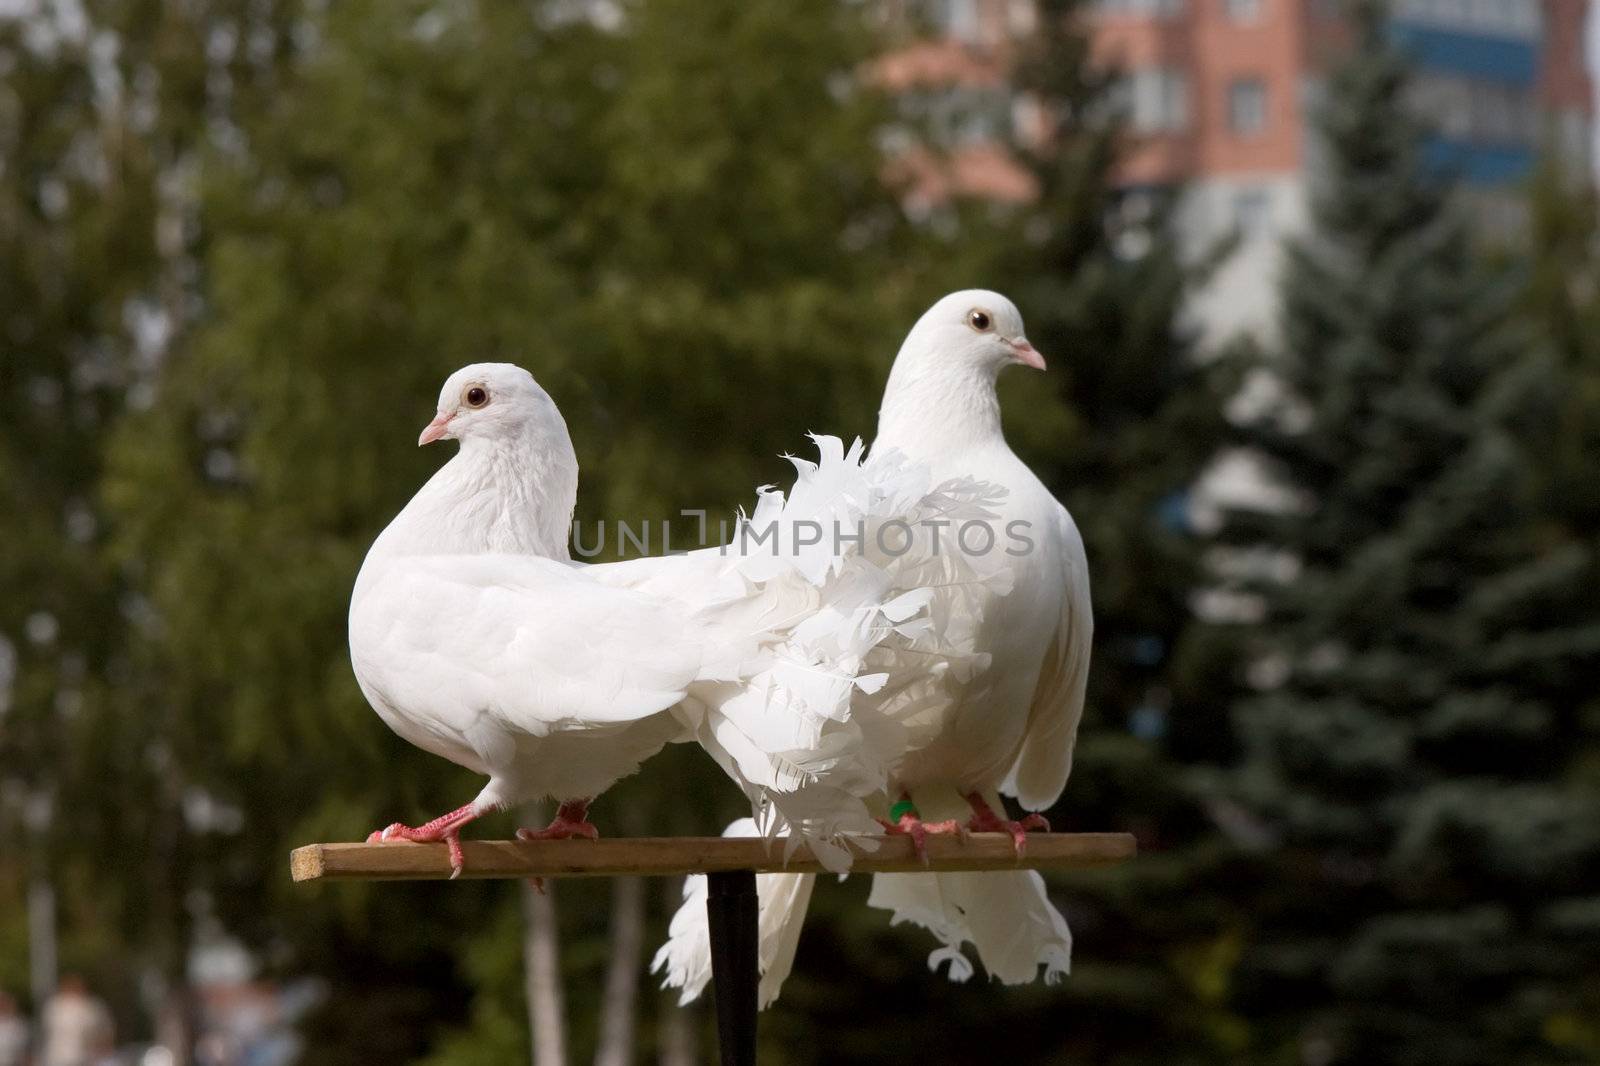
(1562, 303)
(1419, 748)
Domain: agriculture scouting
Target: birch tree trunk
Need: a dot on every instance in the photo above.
(542, 976)
(541, 965)
(675, 1027)
(619, 1002)
(677, 1033)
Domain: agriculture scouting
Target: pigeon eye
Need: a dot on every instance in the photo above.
(980, 321)
(477, 396)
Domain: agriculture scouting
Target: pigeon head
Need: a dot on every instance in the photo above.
(941, 391)
(971, 329)
(512, 485)
(490, 401)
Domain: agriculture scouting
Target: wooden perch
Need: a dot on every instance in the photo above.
(662, 856)
(731, 899)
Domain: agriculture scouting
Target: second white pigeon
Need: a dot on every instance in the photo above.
(967, 736)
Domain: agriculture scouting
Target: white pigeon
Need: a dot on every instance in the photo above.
(475, 637)
(969, 735)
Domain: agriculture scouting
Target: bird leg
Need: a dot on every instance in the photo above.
(904, 820)
(446, 827)
(571, 820)
(984, 820)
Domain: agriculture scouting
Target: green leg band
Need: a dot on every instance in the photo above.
(901, 808)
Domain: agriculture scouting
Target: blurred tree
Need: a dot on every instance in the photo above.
(373, 230)
(752, 274)
(1416, 752)
(1563, 303)
(104, 112)
(76, 251)
(673, 218)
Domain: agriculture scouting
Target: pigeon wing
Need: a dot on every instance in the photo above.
(530, 641)
(1042, 766)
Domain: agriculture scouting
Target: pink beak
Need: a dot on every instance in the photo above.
(1027, 354)
(436, 429)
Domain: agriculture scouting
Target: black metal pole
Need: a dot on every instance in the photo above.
(731, 911)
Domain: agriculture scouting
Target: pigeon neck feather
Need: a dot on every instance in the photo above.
(504, 494)
(932, 410)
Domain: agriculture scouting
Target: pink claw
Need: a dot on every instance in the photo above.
(571, 820)
(446, 827)
(984, 820)
(911, 824)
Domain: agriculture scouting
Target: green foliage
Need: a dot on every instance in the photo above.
(77, 268)
(1563, 302)
(691, 251)
(221, 352)
(678, 222)
(1420, 762)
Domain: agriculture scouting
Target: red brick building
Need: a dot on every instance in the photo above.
(1217, 94)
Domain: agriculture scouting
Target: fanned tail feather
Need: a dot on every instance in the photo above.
(835, 616)
(1005, 915)
(686, 956)
(856, 573)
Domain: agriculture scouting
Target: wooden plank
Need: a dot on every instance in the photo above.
(662, 856)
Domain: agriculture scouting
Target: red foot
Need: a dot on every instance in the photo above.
(984, 820)
(446, 827)
(571, 820)
(910, 823)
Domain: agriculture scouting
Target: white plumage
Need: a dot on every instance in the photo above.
(508, 664)
(794, 731)
(475, 637)
(1008, 720)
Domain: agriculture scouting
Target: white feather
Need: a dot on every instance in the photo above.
(834, 613)
(474, 638)
(984, 681)
(685, 958)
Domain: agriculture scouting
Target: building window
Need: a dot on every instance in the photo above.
(1475, 111)
(958, 18)
(1160, 101)
(1165, 9)
(1573, 127)
(1242, 10)
(1247, 107)
(1252, 213)
(957, 116)
(1515, 18)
